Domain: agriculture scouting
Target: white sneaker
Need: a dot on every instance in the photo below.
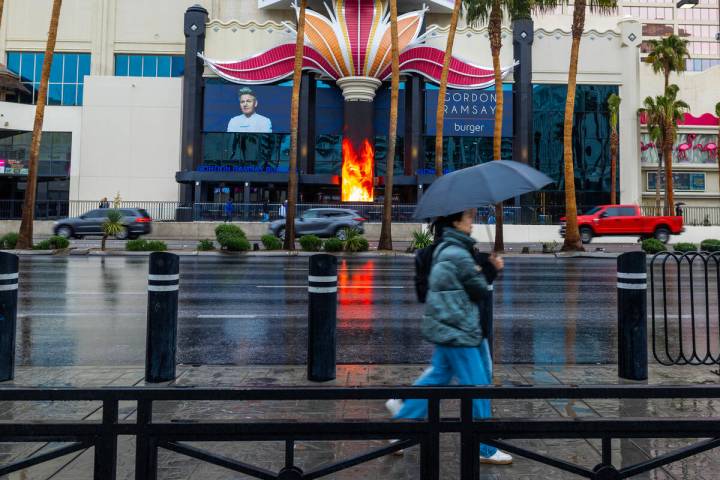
(394, 405)
(499, 458)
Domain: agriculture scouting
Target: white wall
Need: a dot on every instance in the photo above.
(131, 139)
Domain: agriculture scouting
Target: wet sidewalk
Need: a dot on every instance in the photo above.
(269, 455)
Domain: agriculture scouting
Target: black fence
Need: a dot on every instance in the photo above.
(150, 435)
(684, 292)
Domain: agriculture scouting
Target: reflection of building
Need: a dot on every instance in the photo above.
(119, 118)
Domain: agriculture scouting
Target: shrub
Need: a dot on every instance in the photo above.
(43, 245)
(138, 245)
(652, 245)
(155, 246)
(709, 245)
(228, 230)
(271, 242)
(357, 244)
(111, 226)
(237, 244)
(685, 247)
(333, 245)
(310, 243)
(9, 240)
(421, 239)
(205, 245)
(57, 241)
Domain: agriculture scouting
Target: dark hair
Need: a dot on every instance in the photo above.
(246, 91)
(441, 223)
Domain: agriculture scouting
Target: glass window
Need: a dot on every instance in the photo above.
(67, 74)
(627, 212)
(613, 212)
(149, 65)
(682, 181)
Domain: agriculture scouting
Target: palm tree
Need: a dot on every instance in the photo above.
(2, 5)
(614, 109)
(28, 215)
(386, 228)
(664, 112)
(572, 234)
(440, 114)
(111, 226)
(655, 133)
(294, 112)
(492, 12)
(668, 55)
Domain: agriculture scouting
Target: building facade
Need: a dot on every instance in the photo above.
(122, 117)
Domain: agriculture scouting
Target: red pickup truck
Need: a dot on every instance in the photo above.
(624, 220)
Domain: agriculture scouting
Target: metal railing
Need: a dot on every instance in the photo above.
(150, 436)
(694, 216)
(684, 293)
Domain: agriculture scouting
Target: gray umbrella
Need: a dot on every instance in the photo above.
(486, 184)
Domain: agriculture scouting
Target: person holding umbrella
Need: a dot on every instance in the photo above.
(450, 322)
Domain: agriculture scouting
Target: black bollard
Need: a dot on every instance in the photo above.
(8, 314)
(632, 316)
(162, 313)
(322, 313)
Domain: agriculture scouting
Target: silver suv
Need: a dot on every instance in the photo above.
(323, 222)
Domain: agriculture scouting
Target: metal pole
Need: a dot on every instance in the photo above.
(322, 317)
(162, 313)
(9, 267)
(632, 316)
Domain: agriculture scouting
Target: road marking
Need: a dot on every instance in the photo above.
(374, 287)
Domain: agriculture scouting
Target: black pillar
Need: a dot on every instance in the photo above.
(414, 146)
(322, 317)
(9, 266)
(191, 153)
(632, 316)
(306, 123)
(162, 314)
(523, 30)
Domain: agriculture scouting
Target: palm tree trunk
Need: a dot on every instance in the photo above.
(658, 176)
(2, 5)
(440, 114)
(289, 243)
(613, 165)
(25, 237)
(667, 153)
(386, 228)
(572, 234)
(495, 31)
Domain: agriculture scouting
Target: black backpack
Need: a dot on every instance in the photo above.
(423, 264)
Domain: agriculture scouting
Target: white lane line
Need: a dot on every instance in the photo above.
(357, 269)
(373, 287)
(248, 316)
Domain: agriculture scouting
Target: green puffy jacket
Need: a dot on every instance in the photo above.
(456, 286)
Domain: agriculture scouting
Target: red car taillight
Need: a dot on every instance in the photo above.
(360, 219)
(143, 220)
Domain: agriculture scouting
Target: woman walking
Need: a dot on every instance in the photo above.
(451, 322)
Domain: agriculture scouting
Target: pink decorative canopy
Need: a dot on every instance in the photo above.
(354, 40)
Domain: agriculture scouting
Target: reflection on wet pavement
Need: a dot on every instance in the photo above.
(252, 310)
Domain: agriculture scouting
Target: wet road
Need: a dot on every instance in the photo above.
(252, 310)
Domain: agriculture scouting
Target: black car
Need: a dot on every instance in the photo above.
(323, 222)
(135, 220)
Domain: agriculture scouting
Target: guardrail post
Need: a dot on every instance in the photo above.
(322, 317)
(162, 313)
(632, 316)
(9, 267)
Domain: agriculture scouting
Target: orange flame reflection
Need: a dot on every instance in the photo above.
(357, 172)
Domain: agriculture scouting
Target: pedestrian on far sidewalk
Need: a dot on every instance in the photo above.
(228, 210)
(457, 284)
(283, 209)
(104, 203)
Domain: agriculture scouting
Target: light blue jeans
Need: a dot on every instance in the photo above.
(470, 365)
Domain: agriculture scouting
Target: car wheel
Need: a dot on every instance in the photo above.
(123, 234)
(64, 231)
(341, 233)
(281, 233)
(586, 234)
(662, 234)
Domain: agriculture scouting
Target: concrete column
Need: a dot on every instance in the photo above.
(631, 181)
(414, 146)
(190, 155)
(523, 34)
(306, 124)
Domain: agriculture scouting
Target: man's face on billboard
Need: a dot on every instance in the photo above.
(248, 104)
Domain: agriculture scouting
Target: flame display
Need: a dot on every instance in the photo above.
(357, 172)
